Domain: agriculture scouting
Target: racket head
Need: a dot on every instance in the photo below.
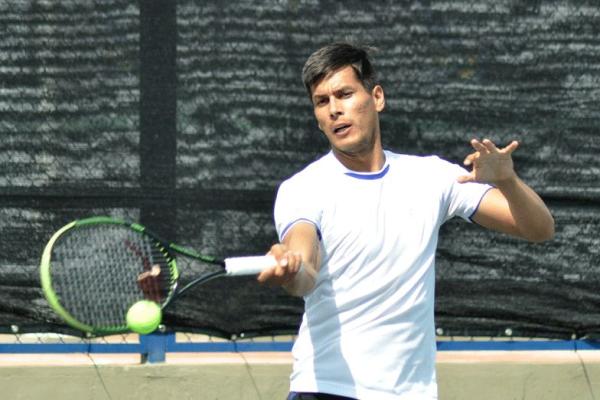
(90, 268)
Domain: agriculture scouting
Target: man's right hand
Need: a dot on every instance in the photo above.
(289, 263)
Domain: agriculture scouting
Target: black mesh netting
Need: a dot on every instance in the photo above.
(186, 118)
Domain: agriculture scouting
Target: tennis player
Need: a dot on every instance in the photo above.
(363, 222)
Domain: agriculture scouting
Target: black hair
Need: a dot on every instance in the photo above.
(333, 57)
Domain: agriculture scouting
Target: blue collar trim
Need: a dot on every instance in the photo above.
(369, 176)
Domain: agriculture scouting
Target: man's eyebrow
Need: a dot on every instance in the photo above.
(318, 96)
(344, 88)
(337, 90)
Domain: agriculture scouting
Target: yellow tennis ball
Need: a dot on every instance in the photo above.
(144, 317)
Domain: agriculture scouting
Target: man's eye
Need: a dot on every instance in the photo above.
(346, 94)
(321, 102)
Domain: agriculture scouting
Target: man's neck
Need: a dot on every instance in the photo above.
(371, 162)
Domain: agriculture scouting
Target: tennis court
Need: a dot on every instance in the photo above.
(185, 116)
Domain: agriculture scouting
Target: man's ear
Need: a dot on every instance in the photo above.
(378, 97)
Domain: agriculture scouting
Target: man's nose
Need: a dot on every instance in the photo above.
(335, 108)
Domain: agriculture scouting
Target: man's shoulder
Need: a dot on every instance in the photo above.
(432, 169)
(316, 171)
(306, 185)
(421, 161)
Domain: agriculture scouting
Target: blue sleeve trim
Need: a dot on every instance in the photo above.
(479, 203)
(288, 226)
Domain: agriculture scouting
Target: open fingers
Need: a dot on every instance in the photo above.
(478, 146)
(489, 145)
(470, 158)
(511, 147)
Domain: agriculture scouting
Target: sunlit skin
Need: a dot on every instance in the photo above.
(512, 207)
(347, 113)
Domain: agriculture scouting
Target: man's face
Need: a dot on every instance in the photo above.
(347, 112)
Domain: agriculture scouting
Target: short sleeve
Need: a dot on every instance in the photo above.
(463, 199)
(296, 201)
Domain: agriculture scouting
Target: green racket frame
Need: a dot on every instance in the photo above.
(46, 276)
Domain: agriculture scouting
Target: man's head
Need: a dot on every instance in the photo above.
(333, 57)
(346, 103)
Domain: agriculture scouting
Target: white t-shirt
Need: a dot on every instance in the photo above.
(368, 327)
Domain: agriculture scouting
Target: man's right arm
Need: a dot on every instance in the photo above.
(299, 261)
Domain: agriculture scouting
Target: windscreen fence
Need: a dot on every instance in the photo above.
(185, 116)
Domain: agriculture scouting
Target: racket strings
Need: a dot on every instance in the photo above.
(95, 272)
(156, 281)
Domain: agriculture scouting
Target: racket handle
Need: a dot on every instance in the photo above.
(248, 265)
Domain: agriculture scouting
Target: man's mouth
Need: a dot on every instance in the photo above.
(341, 129)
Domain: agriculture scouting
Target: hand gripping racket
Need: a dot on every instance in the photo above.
(92, 270)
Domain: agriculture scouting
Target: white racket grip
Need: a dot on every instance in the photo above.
(251, 265)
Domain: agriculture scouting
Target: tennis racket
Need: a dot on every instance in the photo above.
(92, 270)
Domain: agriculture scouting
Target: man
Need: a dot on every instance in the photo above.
(358, 231)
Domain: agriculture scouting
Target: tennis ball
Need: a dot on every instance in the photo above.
(144, 316)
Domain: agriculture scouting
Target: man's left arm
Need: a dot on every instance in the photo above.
(511, 207)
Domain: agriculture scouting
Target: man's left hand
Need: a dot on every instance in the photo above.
(490, 164)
